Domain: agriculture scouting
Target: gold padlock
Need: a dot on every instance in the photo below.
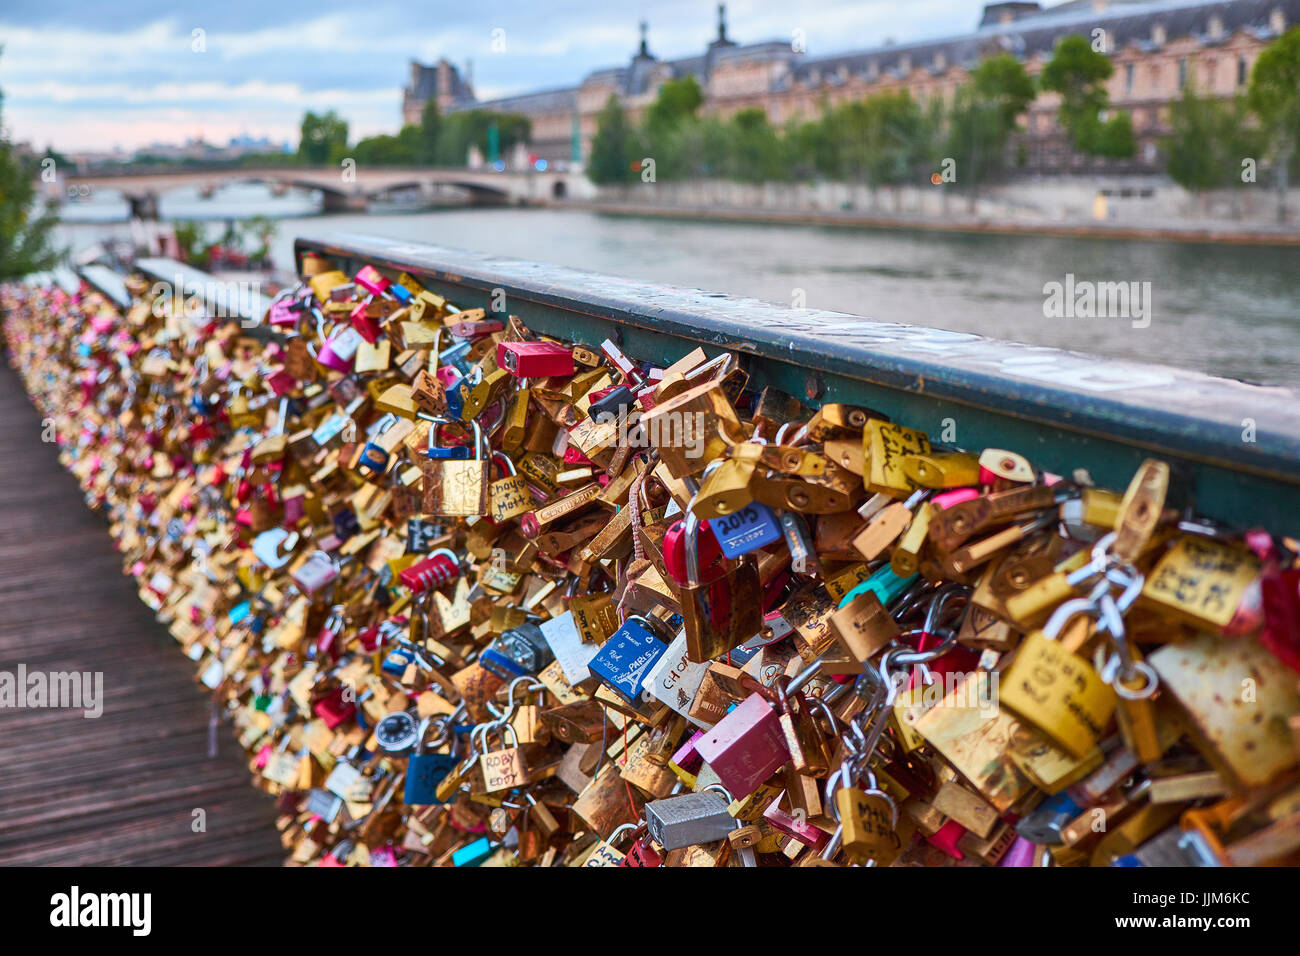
(1057, 691)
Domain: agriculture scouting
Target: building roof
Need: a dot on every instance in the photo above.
(1038, 32)
(1029, 29)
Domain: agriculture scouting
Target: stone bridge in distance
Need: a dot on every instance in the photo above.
(341, 188)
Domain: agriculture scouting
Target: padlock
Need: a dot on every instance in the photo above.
(517, 652)
(457, 487)
(509, 496)
(624, 661)
(319, 570)
(689, 819)
(746, 746)
(720, 614)
(503, 769)
(424, 771)
(1057, 691)
(535, 359)
(434, 571)
(870, 821)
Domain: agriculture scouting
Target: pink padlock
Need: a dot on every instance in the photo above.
(370, 280)
(366, 327)
(745, 747)
(946, 499)
(282, 313)
(340, 352)
(793, 827)
(448, 376)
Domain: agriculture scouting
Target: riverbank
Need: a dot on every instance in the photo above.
(1216, 233)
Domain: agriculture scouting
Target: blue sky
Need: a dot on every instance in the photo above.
(125, 72)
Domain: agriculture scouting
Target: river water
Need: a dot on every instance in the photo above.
(1227, 310)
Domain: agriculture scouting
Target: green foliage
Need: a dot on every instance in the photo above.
(983, 117)
(611, 152)
(678, 101)
(322, 138)
(1079, 74)
(1209, 139)
(1114, 137)
(1274, 97)
(25, 232)
(1002, 82)
(192, 238)
(458, 131)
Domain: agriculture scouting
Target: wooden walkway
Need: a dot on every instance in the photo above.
(121, 789)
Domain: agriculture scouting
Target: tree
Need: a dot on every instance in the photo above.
(1208, 141)
(457, 132)
(1274, 96)
(983, 116)
(758, 155)
(610, 153)
(25, 235)
(1079, 73)
(429, 131)
(678, 101)
(322, 137)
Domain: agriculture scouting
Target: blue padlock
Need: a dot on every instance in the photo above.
(425, 771)
(517, 652)
(752, 527)
(455, 355)
(625, 659)
(458, 452)
(473, 854)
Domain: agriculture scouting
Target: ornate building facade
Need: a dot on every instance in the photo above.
(1157, 47)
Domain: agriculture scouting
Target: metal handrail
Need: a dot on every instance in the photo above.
(1236, 445)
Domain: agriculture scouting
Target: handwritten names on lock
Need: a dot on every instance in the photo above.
(510, 498)
(889, 444)
(625, 658)
(1202, 580)
(868, 826)
(503, 769)
(1059, 693)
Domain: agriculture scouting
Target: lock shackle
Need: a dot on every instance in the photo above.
(1065, 612)
(533, 687)
(719, 789)
(509, 466)
(618, 832)
(941, 601)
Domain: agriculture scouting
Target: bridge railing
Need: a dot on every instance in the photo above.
(1236, 445)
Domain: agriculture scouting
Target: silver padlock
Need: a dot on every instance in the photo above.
(689, 819)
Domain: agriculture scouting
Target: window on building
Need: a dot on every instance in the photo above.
(1243, 72)
(1182, 72)
(1209, 74)
(1128, 79)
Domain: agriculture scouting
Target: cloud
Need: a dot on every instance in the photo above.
(128, 72)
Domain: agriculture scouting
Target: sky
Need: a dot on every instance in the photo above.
(126, 73)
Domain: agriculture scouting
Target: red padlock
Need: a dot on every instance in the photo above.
(712, 566)
(366, 327)
(434, 571)
(334, 708)
(535, 359)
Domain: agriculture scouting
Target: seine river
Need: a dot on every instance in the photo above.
(1226, 310)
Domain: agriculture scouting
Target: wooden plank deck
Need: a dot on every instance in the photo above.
(118, 790)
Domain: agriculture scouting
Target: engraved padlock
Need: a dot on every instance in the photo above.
(458, 487)
(688, 819)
